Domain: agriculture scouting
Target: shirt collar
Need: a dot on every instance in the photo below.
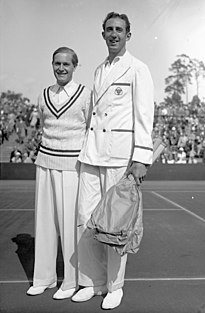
(68, 88)
(115, 60)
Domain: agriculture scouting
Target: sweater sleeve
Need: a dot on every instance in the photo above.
(40, 109)
(87, 106)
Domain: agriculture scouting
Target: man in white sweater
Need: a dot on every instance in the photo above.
(120, 132)
(64, 111)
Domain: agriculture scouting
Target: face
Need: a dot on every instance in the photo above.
(116, 36)
(63, 68)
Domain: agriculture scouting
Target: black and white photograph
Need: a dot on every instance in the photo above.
(102, 156)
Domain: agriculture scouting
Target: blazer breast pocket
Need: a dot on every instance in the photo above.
(121, 90)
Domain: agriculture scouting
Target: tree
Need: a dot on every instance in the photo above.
(11, 95)
(177, 83)
(174, 99)
(195, 101)
(184, 71)
(198, 70)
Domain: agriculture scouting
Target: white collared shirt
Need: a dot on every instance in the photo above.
(107, 67)
(63, 93)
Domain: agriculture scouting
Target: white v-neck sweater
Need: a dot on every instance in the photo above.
(63, 127)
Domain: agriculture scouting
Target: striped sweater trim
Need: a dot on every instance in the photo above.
(59, 152)
(50, 105)
(142, 147)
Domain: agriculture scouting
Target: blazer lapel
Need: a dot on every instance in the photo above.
(120, 68)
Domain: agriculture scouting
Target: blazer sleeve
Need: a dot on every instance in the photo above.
(143, 109)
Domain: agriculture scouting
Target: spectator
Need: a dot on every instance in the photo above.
(182, 140)
(192, 154)
(27, 157)
(17, 157)
(13, 154)
(34, 118)
(20, 129)
(181, 156)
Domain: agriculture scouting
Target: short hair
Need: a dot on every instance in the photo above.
(114, 15)
(67, 50)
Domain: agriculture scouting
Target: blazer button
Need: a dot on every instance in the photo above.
(91, 128)
(104, 130)
(105, 114)
(94, 113)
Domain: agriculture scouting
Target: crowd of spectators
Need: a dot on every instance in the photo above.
(20, 119)
(182, 128)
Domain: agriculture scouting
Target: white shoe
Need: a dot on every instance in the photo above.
(63, 294)
(34, 291)
(112, 299)
(87, 293)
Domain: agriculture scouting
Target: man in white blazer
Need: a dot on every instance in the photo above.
(118, 141)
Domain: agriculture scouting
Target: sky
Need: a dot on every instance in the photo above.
(31, 30)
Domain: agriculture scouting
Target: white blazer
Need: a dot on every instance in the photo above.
(122, 117)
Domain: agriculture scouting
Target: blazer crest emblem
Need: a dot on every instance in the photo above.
(118, 91)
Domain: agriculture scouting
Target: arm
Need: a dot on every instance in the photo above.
(88, 109)
(40, 111)
(143, 108)
(138, 171)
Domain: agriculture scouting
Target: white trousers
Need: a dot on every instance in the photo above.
(98, 263)
(55, 207)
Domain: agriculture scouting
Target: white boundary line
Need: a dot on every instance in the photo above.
(167, 279)
(126, 279)
(173, 190)
(161, 209)
(22, 210)
(15, 281)
(179, 206)
(185, 191)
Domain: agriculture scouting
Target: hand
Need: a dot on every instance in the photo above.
(138, 171)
